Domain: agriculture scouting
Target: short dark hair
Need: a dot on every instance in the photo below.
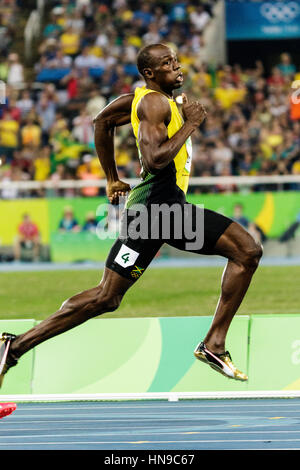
(145, 59)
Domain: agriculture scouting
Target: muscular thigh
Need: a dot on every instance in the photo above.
(236, 243)
(202, 228)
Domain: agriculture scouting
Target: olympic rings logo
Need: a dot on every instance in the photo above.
(280, 12)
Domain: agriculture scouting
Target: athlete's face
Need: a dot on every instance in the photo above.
(166, 69)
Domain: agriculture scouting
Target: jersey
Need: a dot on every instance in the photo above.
(169, 184)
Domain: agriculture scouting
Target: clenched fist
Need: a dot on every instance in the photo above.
(193, 111)
(116, 189)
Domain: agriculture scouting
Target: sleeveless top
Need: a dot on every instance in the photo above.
(169, 184)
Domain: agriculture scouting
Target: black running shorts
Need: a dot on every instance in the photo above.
(186, 227)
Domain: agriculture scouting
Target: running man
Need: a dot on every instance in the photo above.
(163, 140)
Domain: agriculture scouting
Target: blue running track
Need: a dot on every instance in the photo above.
(241, 424)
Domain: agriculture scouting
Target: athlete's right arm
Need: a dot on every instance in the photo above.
(154, 113)
(115, 114)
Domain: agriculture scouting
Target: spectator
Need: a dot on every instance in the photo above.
(83, 129)
(59, 60)
(95, 103)
(71, 81)
(199, 18)
(286, 66)
(25, 103)
(9, 135)
(222, 156)
(86, 60)
(23, 161)
(28, 238)
(12, 174)
(228, 94)
(76, 21)
(46, 112)
(153, 35)
(31, 132)
(239, 217)
(144, 15)
(15, 76)
(251, 227)
(70, 42)
(58, 175)
(14, 110)
(178, 12)
(42, 165)
(87, 172)
(160, 19)
(52, 29)
(68, 223)
(276, 79)
(90, 223)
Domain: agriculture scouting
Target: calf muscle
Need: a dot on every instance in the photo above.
(106, 297)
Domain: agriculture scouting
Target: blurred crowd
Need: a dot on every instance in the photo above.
(86, 58)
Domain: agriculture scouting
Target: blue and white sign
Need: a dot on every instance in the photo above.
(262, 19)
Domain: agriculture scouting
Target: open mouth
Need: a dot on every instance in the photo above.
(179, 78)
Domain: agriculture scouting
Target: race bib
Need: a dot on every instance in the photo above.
(126, 256)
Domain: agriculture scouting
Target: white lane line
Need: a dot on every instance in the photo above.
(227, 428)
(150, 407)
(43, 436)
(150, 415)
(154, 420)
(148, 419)
(156, 431)
(215, 441)
(179, 429)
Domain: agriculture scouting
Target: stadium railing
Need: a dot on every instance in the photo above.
(238, 181)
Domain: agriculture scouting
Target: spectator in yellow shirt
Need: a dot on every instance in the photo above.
(42, 165)
(31, 133)
(270, 139)
(296, 168)
(9, 135)
(90, 164)
(70, 42)
(227, 95)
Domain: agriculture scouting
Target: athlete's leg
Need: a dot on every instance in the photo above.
(229, 239)
(126, 262)
(103, 298)
(243, 254)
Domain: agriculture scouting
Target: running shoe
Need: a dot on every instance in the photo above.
(221, 363)
(6, 409)
(6, 359)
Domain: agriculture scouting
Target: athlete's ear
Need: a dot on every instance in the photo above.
(148, 73)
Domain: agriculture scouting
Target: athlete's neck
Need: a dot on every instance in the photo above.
(155, 87)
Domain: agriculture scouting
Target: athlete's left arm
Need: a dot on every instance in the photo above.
(115, 114)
